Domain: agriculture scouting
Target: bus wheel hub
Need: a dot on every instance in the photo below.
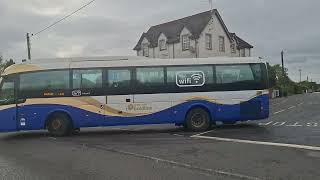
(197, 120)
(56, 124)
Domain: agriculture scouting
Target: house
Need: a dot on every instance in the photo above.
(198, 36)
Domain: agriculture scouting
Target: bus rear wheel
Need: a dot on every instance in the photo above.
(60, 125)
(198, 120)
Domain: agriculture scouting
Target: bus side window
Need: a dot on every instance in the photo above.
(87, 79)
(150, 77)
(118, 80)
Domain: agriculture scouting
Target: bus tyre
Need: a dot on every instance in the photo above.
(198, 120)
(60, 125)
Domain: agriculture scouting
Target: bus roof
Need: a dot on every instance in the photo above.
(120, 61)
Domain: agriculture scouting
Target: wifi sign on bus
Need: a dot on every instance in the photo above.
(190, 78)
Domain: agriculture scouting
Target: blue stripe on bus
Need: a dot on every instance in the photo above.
(175, 115)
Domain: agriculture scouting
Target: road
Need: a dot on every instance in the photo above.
(285, 146)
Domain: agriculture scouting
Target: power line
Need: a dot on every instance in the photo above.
(64, 18)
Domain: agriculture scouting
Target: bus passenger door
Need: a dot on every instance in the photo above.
(119, 100)
(119, 106)
(91, 111)
(8, 110)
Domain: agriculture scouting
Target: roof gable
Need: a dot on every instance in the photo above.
(240, 42)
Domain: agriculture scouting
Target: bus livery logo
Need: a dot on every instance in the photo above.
(76, 93)
(190, 78)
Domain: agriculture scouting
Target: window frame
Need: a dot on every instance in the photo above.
(185, 42)
(164, 45)
(110, 91)
(243, 52)
(87, 91)
(145, 50)
(153, 89)
(222, 44)
(208, 41)
(235, 86)
(173, 88)
(43, 93)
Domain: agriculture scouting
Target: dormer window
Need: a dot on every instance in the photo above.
(145, 50)
(185, 42)
(162, 44)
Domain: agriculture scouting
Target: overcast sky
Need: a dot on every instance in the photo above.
(113, 27)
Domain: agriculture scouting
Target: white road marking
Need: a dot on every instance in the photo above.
(288, 124)
(203, 133)
(297, 124)
(52, 138)
(296, 146)
(300, 104)
(279, 111)
(292, 107)
(179, 135)
(312, 124)
(279, 123)
(180, 164)
(265, 124)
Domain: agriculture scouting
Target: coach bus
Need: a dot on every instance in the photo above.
(64, 95)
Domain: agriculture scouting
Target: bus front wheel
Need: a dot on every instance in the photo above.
(59, 125)
(198, 120)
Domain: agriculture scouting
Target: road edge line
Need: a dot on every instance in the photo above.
(295, 146)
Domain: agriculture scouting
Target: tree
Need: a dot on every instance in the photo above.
(272, 75)
(276, 77)
(5, 63)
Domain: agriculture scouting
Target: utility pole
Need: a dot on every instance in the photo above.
(300, 74)
(282, 54)
(283, 74)
(28, 47)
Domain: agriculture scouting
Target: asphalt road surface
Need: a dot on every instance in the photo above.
(285, 146)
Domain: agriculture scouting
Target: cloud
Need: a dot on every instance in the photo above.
(112, 27)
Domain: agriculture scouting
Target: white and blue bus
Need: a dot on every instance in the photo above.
(63, 95)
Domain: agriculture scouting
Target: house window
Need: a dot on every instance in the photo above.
(162, 45)
(222, 47)
(185, 42)
(233, 48)
(145, 50)
(243, 52)
(209, 41)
